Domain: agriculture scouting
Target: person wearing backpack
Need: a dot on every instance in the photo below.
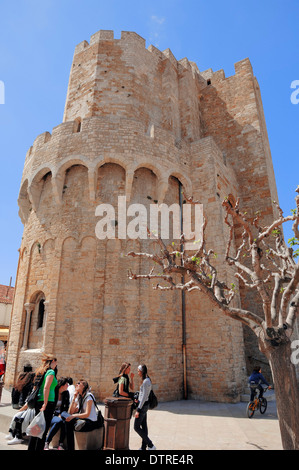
(45, 397)
(140, 423)
(125, 382)
(21, 389)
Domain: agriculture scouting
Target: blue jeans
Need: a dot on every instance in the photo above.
(56, 424)
(140, 426)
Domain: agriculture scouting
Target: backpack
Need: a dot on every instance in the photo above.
(126, 387)
(115, 393)
(32, 397)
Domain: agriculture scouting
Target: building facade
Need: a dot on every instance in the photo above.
(141, 124)
(6, 301)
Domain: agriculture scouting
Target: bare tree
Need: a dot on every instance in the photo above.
(264, 263)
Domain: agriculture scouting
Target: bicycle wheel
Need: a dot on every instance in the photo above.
(263, 405)
(250, 409)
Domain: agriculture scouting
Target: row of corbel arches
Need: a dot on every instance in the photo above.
(31, 187)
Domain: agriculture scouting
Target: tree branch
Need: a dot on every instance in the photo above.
(202, 275)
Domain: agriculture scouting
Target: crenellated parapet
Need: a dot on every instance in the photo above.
(121, 77)
(128, 38)
(140, 106)
(243, 67)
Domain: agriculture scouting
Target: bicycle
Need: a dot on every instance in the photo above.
(257, 404)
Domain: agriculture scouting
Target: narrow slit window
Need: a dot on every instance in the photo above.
(41, 313)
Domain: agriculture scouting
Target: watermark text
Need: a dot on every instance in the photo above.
(295, 353)
(295, 94)
(139, 222)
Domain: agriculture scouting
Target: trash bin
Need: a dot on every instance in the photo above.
(117, 418)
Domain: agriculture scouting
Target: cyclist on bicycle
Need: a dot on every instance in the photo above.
(255, 381)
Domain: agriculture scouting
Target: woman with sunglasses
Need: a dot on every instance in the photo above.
(82, 413)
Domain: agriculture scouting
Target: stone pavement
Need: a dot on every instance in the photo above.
(191, 425)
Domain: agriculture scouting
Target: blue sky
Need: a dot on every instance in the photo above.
(37, 41)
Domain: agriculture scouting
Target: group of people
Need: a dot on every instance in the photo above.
(68, 407)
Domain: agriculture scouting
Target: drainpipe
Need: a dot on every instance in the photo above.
(183, 307)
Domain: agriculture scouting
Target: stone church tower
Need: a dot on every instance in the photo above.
(137, 123)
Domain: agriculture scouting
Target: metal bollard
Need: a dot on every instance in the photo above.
(117, 423)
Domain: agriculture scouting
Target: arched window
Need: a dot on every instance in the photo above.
(36, 314)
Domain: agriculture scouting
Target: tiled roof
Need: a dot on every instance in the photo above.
(6, 294)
